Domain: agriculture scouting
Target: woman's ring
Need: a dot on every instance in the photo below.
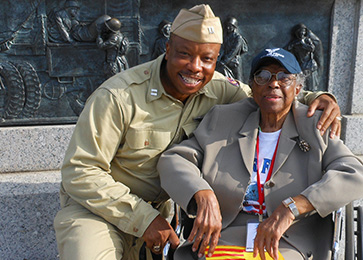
(339, 118)
(156, 248)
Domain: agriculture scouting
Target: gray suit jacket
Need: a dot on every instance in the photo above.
(220, 157)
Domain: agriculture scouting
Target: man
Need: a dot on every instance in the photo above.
(61, 23)
(115, 44)
(307, 48)
(234, 46)
(111, 197)
(162, 39)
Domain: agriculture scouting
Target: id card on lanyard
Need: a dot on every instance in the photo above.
(261, 195)
(252, 225)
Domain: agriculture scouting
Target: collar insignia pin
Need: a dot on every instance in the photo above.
(154, 92)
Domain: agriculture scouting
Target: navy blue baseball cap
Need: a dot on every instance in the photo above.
(284, 57)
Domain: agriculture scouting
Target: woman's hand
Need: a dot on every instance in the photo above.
(270, 231)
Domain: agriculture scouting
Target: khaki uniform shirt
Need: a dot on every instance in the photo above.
(110, 164)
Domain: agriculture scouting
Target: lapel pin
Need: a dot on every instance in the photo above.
(303, 145)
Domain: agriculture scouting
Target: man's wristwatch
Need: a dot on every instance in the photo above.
(290, 203)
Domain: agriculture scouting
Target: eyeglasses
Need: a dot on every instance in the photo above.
(285, 80)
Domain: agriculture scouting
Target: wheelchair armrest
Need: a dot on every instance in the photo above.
(359, 230)
(338, 220)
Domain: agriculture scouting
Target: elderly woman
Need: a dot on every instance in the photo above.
(262, 159)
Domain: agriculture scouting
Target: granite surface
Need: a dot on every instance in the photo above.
(346, 69)
(29, 202)
(35, 148)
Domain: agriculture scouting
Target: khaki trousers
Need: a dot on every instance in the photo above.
(83, 235)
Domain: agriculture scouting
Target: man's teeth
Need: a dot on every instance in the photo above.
(189, 80)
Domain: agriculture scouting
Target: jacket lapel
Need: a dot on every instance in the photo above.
(286, 142)
(247, 142)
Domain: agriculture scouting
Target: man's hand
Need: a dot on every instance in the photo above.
(158, 234)
(208, 223)
(331, 115)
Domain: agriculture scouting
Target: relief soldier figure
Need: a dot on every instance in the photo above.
(63, 22)
(307, 48)
(115, 44)
(234, 46)
(160, 42)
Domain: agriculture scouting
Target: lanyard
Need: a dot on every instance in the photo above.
(261, 196)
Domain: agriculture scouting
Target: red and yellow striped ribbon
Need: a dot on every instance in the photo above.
(224, 252)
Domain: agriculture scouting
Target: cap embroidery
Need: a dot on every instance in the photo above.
(272, 53)
(211, 30)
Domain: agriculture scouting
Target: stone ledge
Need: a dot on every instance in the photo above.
(42, 148)
(35, 148)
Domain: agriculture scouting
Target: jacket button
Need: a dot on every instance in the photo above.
(270, 184)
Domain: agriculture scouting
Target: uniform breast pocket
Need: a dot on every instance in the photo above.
(140, 139)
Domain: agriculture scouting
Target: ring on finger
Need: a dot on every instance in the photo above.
(339, 118)
(156, 248)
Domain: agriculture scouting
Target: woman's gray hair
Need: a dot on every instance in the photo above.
(300, 79)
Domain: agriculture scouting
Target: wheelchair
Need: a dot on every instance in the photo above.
(348, 223)
(353, 243)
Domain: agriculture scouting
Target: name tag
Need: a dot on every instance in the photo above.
(251, 234)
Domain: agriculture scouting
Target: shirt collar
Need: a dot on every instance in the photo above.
(155, 88)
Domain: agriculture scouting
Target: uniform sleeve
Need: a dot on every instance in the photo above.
(62, 29)
(342, 180)
(86, 172)
(242, 92)
(307, 96)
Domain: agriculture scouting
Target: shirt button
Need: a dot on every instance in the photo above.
(146, 72)
(135, 229)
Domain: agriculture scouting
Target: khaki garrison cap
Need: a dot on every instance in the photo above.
(198, 24)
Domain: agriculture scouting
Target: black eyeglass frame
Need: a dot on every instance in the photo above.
(286, 76)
